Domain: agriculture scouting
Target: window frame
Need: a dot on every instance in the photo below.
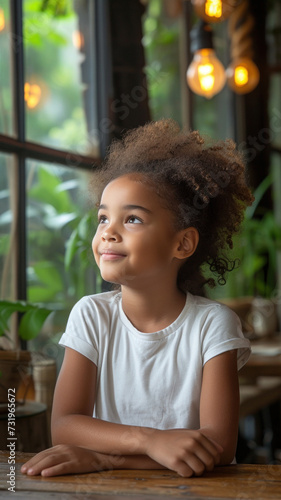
(24, 150)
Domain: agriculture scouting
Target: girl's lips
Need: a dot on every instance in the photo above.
(111, 255)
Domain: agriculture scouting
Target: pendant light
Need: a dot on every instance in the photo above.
(214, 11)
(242, 75)
(206, 74)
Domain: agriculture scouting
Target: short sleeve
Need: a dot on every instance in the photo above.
(80, 332)
(222, 332)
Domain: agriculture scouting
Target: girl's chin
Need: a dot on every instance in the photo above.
(117, 280)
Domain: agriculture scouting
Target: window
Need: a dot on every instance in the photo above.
(49, 141)
(161, 43)
(166, 40)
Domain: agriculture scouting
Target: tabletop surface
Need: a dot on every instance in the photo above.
(259, 482)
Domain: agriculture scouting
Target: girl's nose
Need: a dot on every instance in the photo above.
(110, 235)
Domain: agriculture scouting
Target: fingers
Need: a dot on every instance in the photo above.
(60, 460)
(41, 462)
(51, 462)
(200, 454)
(194, 465)
(210, 444)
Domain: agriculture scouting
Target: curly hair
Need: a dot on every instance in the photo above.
(201, 182)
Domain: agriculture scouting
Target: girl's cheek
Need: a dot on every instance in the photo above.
(94, 247)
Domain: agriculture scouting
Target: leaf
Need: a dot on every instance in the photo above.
(49, 275)
(71, 248)
(258, 194)
(41, 294)
(32, 322)
(7, 308)
(45, 191)
(57, 38)
(4, 327)
(59, 221)
(84, 228)
(68, 185)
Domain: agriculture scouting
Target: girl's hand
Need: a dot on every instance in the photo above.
(187, 452)
(62, 459)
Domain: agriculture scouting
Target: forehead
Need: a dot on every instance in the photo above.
(137, 189)
(130, 186)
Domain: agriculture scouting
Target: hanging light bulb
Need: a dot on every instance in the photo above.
(206, 74)
(214, 11)
(242, 75)
(32, 94)
(2, 19)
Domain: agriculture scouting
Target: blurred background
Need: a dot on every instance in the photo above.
(74, 74)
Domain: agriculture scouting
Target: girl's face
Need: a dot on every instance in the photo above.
(135, 241)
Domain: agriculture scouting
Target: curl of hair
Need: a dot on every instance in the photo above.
(202, 183)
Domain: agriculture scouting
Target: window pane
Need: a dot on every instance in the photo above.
(59, 210)
(8, 205)
(60, 74)
(166, 72)
(6, 87)
(162, 53)
(274, 110)
(214, 117)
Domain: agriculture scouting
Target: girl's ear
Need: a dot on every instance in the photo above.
(188, 242)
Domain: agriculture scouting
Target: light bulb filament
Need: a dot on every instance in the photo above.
(206, 76)
(241, 76)
(205, 69)
(213, 8)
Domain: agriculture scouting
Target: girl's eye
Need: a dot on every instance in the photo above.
(134, 220)
(103, 219)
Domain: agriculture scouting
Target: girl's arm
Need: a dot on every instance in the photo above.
(214, 443)
(72, 421)
(77, 435)
(68, 459)
(219, 404)
(187, 452)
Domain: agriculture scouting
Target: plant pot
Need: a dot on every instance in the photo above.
(14, 368)
(264, 317)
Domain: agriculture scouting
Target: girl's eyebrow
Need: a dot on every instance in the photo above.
(127, 207)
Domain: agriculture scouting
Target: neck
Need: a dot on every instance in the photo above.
(154, 309)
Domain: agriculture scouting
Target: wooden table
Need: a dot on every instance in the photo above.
(259, 482)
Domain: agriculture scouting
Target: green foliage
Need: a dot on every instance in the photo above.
(49, 191)
(39, 27)
(78, 247)
(161, 44)
(50, 282)
(57, 8)
(60, 235)
(71, 132)
(31, 322)
(255, 248)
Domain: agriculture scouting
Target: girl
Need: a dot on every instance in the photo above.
(149, 379)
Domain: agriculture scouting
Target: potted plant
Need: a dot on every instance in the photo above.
(14, 362)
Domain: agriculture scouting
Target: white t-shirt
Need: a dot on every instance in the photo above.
(152, 379)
